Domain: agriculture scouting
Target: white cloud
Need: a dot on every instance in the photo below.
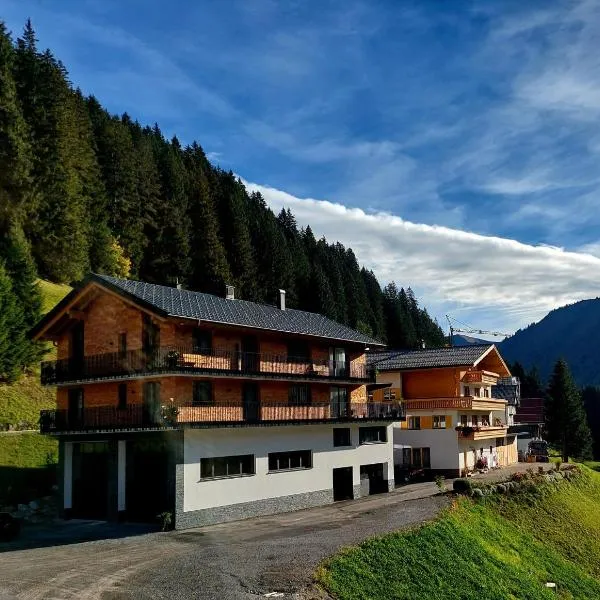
(491, 281)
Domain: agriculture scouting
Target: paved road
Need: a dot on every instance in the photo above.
(240, 560)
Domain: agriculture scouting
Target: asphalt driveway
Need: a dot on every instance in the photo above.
(247, 559)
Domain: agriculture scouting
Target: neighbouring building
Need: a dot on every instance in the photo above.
(210, 408)
(453, 418)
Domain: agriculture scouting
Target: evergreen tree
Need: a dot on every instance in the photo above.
(566, 421)
(591, 401)
(16, 185)
(14, 347)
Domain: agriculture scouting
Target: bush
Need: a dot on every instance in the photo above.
(501, 488)
(440, 482)
(462, 486)
(477, 493)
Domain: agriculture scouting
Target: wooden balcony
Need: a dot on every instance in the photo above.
(217, 414)
(482, 377)
(215, 363)
(481, 432)
(455, 402)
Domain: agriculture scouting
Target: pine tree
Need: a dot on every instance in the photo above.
(16, 185)
(14, 347)
(566, 420)
(209, 268)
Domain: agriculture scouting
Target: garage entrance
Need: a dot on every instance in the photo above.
(371, 477)
(90, 480)
(150, 480)
(342, 484)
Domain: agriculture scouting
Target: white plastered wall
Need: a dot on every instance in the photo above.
(205, 443)
(443, 445)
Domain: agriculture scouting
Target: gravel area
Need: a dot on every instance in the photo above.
(248, 559)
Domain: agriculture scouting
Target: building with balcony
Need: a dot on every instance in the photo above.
(208, 407)
(454, 420)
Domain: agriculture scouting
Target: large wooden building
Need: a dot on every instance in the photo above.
(208, 407)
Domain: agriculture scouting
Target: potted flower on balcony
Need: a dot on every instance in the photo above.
(172, 359)
(169, 413)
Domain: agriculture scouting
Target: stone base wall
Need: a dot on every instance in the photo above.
(245, 510)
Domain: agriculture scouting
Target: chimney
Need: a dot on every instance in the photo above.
(423, 344)
(229, 292)
(282, 299)
(178, 285)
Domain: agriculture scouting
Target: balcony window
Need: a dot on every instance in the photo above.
(287, 461)
(122, 345)
(298, 350)
(371, 435)
(122, 396)
(464, 421)
(439, 422)
(476, 392)
(299, 394)
(150, 335)
(201, 341)
(485, 420)
(227, 466)
(486, 392)
(467, 390)
(389, 394)
(202, 393)
(339, 401)
(414, 422)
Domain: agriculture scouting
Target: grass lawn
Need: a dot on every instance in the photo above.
(499, 547)
(52, 293)
(27, 449)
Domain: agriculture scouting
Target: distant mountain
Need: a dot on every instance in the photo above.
(458, 339)
(571, 332)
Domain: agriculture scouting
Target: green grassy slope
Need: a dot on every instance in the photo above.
(23, 400)
(499, 547)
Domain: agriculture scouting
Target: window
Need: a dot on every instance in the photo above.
(414, 422)
(202, 393)
(122, 345)
(202, 340)
(341, 436)
(298, 350)
(417, 458)
(389, 394)
(122, 396)
(476, 392)
(285, 461)
(439, 422)
(337, 362)
(485, 420)
(227, 466)
(467, 390)
(299, 394)
(150, 335)
(338, 397)
(464, 420)
(486, 392)
(369, 435)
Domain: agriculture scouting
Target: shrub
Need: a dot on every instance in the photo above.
(501, 488)
(477, 493)
(440, 482)
(519, 476)
(462, 486)
(166, 520)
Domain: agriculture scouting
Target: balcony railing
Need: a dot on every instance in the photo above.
(458, 402)
(217, 414)
(480, 377)
(211, 362)
(481, 432)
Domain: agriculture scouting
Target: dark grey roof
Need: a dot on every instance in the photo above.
(206, 307)
(398, 360)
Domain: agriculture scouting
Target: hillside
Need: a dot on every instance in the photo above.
(571, 332)
(502, 546)
(91, 191)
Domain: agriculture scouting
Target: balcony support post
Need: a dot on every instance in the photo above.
(121, 476)
(66, 479)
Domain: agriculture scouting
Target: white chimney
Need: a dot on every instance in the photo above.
(229, 292)
(282, 299)
(423, 344)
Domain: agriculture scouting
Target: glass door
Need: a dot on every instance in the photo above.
(337, 362)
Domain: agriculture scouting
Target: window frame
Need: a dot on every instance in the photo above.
(303, 392)
(467, 391)
(122, 396)
(211, 395)
(414, 419)
(211, 461)
(441, 419)
(362, 431)
(289, 455)
(347, 431)
(204, 335)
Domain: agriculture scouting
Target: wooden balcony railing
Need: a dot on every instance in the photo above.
(194, 361)
(482, 377)
(139, 416)
(481, 432)
(456, 402)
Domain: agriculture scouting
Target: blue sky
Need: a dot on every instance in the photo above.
(455, 146)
